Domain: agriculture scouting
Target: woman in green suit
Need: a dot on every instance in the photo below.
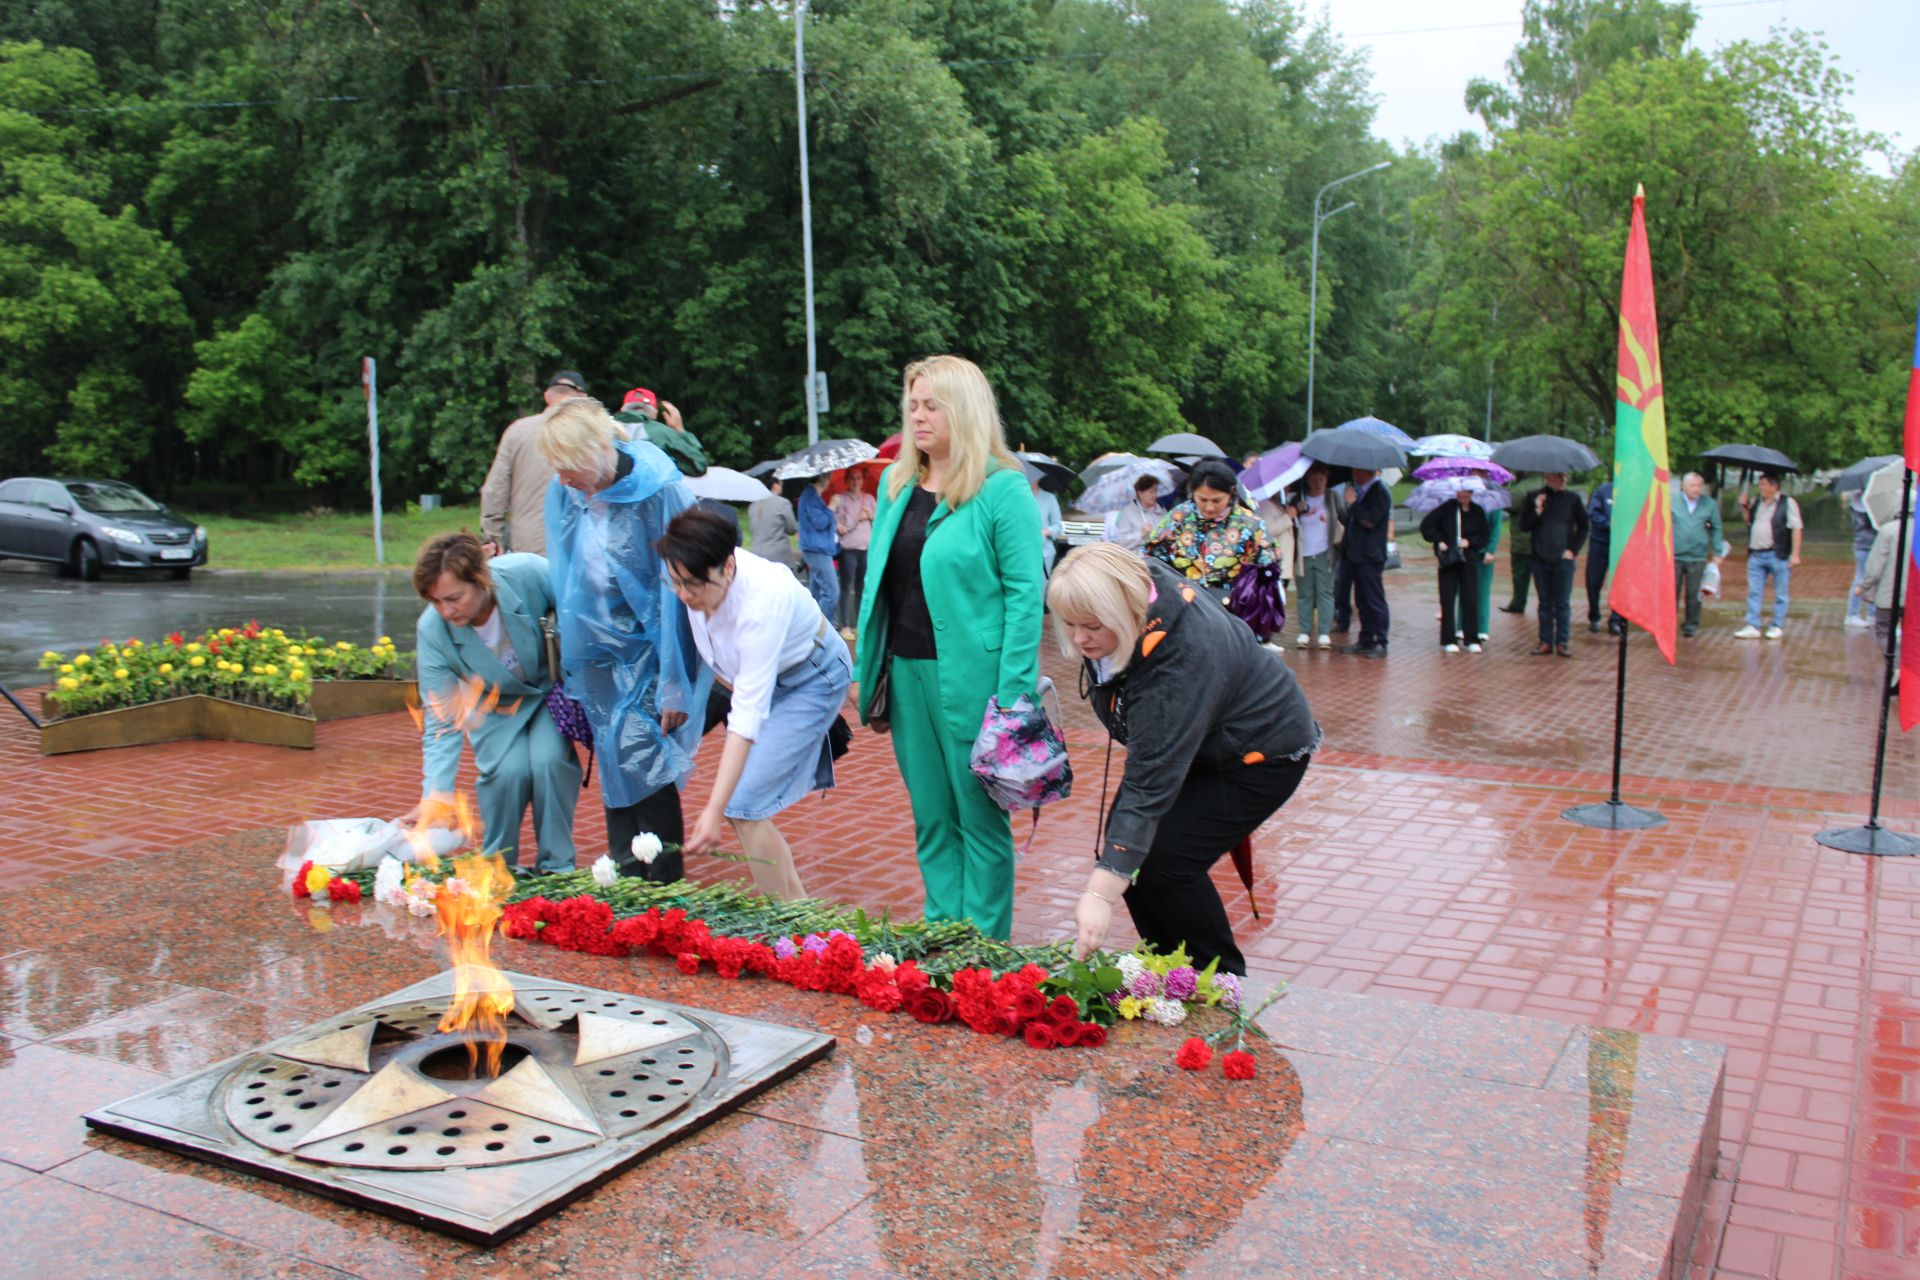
(951, 617)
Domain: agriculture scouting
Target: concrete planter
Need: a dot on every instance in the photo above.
(340, 699)
(173, 720)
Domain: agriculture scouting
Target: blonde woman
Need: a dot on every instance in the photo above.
(1217, 734)
(625, 644)
(951, 617)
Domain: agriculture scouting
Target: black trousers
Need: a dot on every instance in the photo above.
(1173, 900)
(1598, 554)
(658, 813)
(1370, 602)
(1521, 563)
(1462, 581)
(1342, 593)
(1687, 576)
(1553, 579)
(853, 581)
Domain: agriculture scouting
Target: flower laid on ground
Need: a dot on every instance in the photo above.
(1193, 1055)
(1237, 1063)
(253, 665)
(389, 882)
(646, 847)
(604, 871)
(1161, 988)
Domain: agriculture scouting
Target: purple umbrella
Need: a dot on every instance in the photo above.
(1440, 468)
(1434, 493)
(1274, 470)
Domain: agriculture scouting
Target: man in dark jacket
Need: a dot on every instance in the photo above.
(1368, 518)
(1556, 517)
(1600, 556)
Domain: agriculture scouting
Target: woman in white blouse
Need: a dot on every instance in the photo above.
(765, 638)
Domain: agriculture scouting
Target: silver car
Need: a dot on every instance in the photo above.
(85, 526)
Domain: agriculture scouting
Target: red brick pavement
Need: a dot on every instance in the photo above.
(1424, 857)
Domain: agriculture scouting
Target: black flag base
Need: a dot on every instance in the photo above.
(1871, 839)
(1613, 815)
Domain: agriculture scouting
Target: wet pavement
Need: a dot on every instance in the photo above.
(1422, 865)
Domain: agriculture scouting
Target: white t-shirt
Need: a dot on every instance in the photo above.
(1313, 525)
(767, 623)
(493, 634)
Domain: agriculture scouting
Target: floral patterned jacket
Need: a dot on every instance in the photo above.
(1210, 552)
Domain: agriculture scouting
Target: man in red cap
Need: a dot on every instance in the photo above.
(641, 400)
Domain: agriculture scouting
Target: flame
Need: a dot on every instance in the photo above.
(469, 702)
(469, 906)
(452, 810)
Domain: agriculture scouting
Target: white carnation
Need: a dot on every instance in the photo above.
(1168, 1013)
(1130, 968)
(389, 881)
(646, 847)
(604, 872)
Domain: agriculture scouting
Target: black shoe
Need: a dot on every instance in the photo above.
(1364, 650)
(1513, 608)
(1593, 625)
(1689, 631)
(1563, 651)
(1616, 626)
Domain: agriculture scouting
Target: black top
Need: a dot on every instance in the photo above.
(909, 626)
(1368, 521)
(1562, 527)
(1457, 528)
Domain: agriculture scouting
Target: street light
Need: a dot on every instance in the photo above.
(1313, 282)
(806, 214)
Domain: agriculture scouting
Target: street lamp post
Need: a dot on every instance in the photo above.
(1313, 280)
(806, 214)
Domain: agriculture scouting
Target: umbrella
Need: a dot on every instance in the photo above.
(1242, 855)
(1440, 468)
(1545, 453)
(1113, 489)
(890, 447)
(1274, 470)
(870, 471)
(1434, 493)
(1855, 477)
(1352, 447)
(827, 455)
(1882, 494)
(1450, 446)
(1105, 463)
(1054, 475)
(1186, 442)
(1385, 430)
(760, 469)
(724, 484)
(1750, 457)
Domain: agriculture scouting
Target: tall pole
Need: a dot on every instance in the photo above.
(369, 385)
(1492, 324)
(1313, 275)
(806, 211)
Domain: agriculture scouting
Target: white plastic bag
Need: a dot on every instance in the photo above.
(1710, 581)
(358, 844)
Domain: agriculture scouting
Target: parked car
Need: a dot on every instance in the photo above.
(85, 526)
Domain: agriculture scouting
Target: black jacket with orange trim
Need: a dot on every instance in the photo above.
(1200, 693)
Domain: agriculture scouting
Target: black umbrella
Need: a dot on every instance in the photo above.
(1544, 454)
(760, 469)
(1855, 477)
(1054, 475)
(1751, 457)
(1350, 447)
(1187, 442)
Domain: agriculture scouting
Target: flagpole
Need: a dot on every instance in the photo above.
(1614, 814)
(1873, 838)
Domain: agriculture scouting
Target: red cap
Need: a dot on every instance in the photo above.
(640, 396)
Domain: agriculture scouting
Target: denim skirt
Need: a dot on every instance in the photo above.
(791, 757)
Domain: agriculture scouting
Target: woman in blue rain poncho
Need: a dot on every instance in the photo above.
(625, 646)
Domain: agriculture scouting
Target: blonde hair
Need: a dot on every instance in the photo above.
(577, 434)
(973, 423)
(1108, 584)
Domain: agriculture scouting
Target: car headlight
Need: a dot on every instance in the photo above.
(199, 533)
(126, 537)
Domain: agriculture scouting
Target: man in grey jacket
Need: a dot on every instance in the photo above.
(1698, 536)
(771, 526)
(513, 501)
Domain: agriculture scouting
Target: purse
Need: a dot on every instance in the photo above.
(568, 716)
(880, 697)
(1456, 552)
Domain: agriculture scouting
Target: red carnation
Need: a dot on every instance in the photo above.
(343, 890)
(1238, 1065)
(877, 991)
(1193, 1055)
(1040, 1036)
(909, 978)
(1062, 1009)
(688, 962)
(300, 889)
(930, 1004)
(1033, 974)
(1092, 1035)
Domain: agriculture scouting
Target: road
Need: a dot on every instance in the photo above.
(40, 611)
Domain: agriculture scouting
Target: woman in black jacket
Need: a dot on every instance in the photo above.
(1459, 533)
(1217, 734)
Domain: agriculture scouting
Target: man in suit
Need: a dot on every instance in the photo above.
(1368, 518)
(483, 672)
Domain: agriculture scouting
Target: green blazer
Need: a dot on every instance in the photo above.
(981, 570)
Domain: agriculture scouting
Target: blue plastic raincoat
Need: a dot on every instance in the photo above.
(625, 643)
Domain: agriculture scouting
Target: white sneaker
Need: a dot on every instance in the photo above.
(1326, 642)
(1485, 636)
(1451, 648)
(1747, 633)
(1857, 621)
(1473, 648)
(1305, 641)
(1774, 633)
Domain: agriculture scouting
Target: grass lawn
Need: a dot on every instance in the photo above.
(340, 540)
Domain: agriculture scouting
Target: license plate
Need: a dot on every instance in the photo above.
(176, 553)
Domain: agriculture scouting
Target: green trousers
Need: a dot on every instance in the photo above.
(965, 840)
(521, 765)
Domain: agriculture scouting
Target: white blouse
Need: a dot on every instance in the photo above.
(767, 623)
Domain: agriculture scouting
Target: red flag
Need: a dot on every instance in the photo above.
(1910, 622)
(1642, 500)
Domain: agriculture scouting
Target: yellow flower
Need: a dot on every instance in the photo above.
(296, 674)
(68, 682)
(386, 640)
(66, 668)
(310, 651)
(196, 661)
(119, 673)
(271, 670)
(194, 647)
(256, 668)
(278, 634)
(133, 643)
(82, 660)
(342, 644)
(317, 878)
(226, 631)
(166, 668)
(1130, 1007)
(49, 656)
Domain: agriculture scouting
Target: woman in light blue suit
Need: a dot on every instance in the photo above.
(480, 636)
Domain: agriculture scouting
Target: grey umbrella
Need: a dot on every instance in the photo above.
(1751, 457)
(1187, 442)
(827, 455)
(1054, 475)
(759, 469)
(1544, 454)
(1352, 447)
(1855, 477)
